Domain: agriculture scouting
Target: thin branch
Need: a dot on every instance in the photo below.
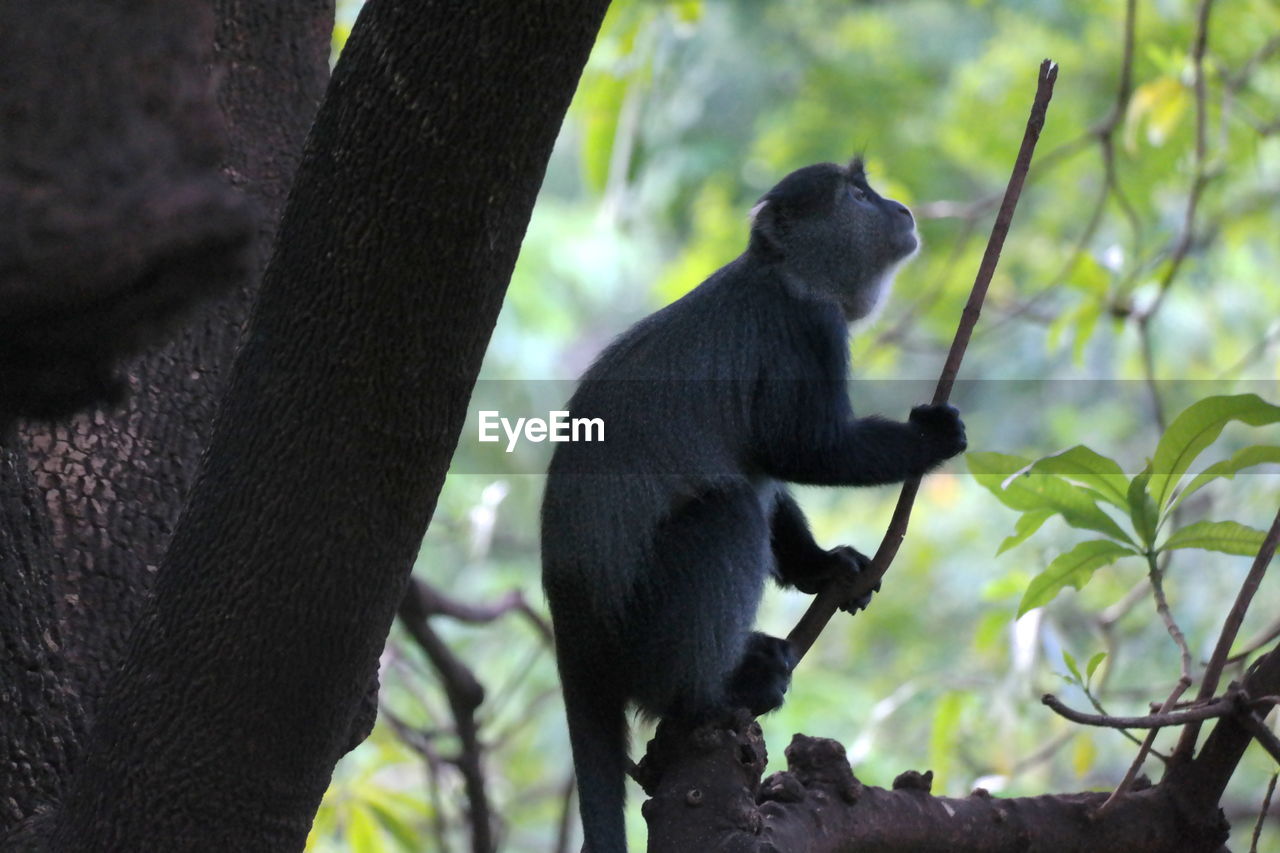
(827, 602)
(1182, 246)
(1126, 783)
(1262, 734)
(1213, 672)
(1156, 574)
(1254, 643)
(1229, 704)
(1262, 815)
(1103, 133)
(1199, 171)
(464, 693)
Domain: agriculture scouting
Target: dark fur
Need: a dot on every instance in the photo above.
(657, 543)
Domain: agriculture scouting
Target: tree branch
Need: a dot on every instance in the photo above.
(1228, 704)
(1213, 672)
(827, 602)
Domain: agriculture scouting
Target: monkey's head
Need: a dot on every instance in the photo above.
(837, 236)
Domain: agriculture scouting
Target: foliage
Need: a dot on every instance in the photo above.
(1075, 483)
(1117, 300)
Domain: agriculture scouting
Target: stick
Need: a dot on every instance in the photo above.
(828, 601)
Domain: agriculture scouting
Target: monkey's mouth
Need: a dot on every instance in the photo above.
(907, 243)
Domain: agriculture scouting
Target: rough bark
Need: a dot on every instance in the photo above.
(113, 213)
(706, 794)
(240, 684)
(40, 713)
(114, 482)
(113, 219)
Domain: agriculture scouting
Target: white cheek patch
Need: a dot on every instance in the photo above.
(755, 211)
(877, 294)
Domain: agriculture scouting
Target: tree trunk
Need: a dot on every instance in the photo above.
(87, 505)
(241, 682)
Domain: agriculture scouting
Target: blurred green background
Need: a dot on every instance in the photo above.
(1106, 317)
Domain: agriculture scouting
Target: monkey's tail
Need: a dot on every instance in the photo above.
(598, 735)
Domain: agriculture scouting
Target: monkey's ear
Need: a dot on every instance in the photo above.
(766, 229)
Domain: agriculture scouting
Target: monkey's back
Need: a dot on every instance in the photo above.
(678, 393)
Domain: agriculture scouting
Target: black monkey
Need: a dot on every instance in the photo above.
(657, 542)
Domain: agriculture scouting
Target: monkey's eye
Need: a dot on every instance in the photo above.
(857, 193)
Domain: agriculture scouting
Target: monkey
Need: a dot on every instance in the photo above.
(657, 542)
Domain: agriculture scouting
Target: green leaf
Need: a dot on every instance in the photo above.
(1229, 537)
(1008, 478)
(1092, 666)
(1070, 661)
(1142, 509)
(1074, 568)
(1029, 522)
(1083, 465)
(1194, 430)
(991, 470)
(1258, 454)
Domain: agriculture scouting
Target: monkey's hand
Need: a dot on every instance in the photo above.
(840, 565)
(941, 430)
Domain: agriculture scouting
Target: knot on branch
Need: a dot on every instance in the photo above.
(914, 780)
(817, 761)
(674, 743)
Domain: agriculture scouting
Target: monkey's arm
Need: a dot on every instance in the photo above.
(801, 562)
(862, 451)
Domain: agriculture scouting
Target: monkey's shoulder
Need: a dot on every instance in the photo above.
(742, 323)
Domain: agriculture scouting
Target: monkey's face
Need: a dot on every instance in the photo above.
(842, 238)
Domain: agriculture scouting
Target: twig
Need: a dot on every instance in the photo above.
(1264, 736)
(1182, 247)
(1103, 133)
(1156, 575)
(1127, 782)
(1254, 643)
(1199, 177)
(1228, 704)
(828, 601)
(434, 602)
(1213, 672)
(1262, 815)
(464, 693)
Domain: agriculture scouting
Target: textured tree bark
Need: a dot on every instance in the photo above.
(706, 794)
(113, 218)
(41, 716)
(112, 173)
(114, 482)
(239, 686)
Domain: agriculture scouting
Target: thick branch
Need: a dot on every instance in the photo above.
(707, 795)
(275, 596)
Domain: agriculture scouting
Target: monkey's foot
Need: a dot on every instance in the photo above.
(761, 679)
(846, 564)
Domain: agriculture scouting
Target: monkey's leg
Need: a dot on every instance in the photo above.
(803, 563)
(696, 604)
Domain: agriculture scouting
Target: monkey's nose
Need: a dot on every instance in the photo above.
(902, 208)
